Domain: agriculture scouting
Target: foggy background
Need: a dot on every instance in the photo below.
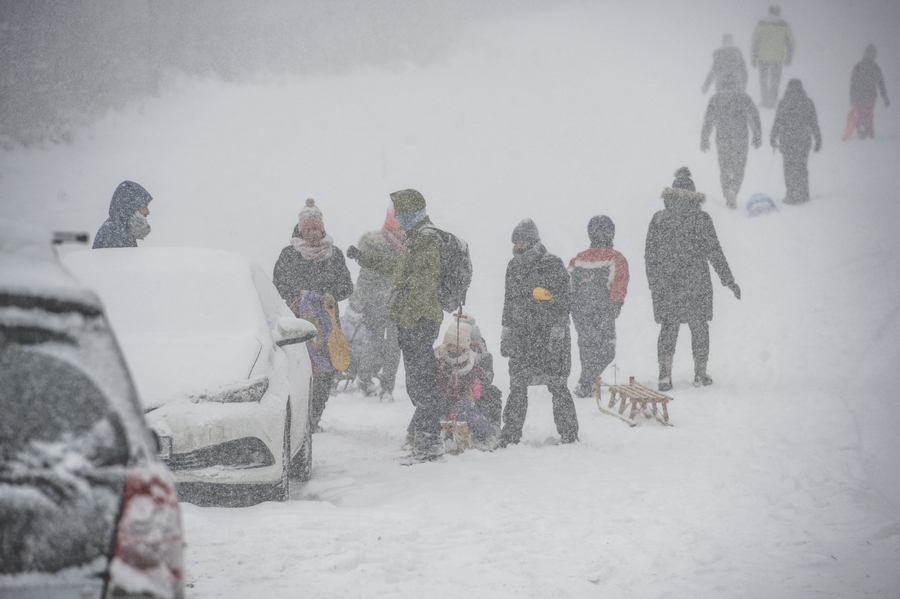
(64, 62)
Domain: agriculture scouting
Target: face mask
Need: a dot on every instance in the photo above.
(138, 225)
(408, 221)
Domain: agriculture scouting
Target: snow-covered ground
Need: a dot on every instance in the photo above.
(780, 480)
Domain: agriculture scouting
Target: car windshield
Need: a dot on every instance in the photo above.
(189, 320)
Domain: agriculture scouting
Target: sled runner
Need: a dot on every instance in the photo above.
(628, 401)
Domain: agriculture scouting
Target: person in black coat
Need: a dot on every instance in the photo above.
(127, 222)
(313, 263)
(865, 83)
(535, 334)
(681, 243)
(730, 112)
(795, 129)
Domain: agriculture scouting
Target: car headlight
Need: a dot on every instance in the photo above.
(252, 390)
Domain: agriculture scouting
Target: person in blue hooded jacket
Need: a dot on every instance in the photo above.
(127, 220)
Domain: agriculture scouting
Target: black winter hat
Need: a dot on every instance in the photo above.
(526, 231)
(683, 179)
(601, 231)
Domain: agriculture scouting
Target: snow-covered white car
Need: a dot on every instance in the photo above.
(87, 509)
(220, 366)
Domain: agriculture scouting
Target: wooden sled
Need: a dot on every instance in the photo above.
(456, 436)
(626, 402)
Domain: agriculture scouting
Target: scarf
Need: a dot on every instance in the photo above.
(320, 252)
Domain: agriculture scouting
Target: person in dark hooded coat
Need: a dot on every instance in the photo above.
(599, 284)
(865, 83)
(535, 334)
(729, 71)
(127, 220)
(681, 243)
(730, 111)
(795, 129)
(313, 263)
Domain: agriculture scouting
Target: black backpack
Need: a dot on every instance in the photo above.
(456, 271)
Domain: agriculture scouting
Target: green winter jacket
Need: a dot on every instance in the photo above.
(415, 274)
(772, 42)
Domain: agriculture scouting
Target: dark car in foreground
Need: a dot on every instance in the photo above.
(86, 507)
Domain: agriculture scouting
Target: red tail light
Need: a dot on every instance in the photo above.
(148, 557)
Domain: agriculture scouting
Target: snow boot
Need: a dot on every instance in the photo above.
(583, 391)
(665, 373)
(427, 447)
(700, 376)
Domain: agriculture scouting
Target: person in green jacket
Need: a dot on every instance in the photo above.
(772, 46)
(417, 311)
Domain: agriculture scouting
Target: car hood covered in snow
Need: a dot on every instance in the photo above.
(188, 319)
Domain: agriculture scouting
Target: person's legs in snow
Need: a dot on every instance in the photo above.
(700, 350)
(514, 412)
(564, 414)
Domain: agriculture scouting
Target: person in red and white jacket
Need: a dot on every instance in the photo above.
(599, 278)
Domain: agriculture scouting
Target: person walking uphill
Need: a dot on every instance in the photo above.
(730, 112)
(599, 284)
(416, 310)
(535, 334)
(729, 71)
(312, 264)
(865, 83)
(681, 242)
(127, 222)
(772, 46)
(795, 129)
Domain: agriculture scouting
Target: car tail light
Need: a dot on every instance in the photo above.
(147, 562)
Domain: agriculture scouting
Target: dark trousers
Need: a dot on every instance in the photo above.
(732, 162)
(668, 337)
(796, 175)
(517, 406)
(596, 347)
(769, 82)
(865, 121)
(382, 351)
(417, 346)
(321, 389)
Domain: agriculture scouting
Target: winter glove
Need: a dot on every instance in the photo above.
(735, 289)
(557, 333)
(353, 252)
(505, 342)
(818, 146)
(616, 309)
(328, 301)
(704, 145)
(756, 143)
(542, 294)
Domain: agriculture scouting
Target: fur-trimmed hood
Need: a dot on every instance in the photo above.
(676, 198)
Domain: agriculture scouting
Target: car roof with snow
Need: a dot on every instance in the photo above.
(31, 275)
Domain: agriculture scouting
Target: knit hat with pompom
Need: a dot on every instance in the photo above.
(311, 217)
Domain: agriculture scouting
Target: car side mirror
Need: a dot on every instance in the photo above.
(295, 330)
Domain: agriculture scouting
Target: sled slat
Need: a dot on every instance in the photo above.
(635, 399)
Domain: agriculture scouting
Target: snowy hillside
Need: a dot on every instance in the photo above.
(780, 480)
